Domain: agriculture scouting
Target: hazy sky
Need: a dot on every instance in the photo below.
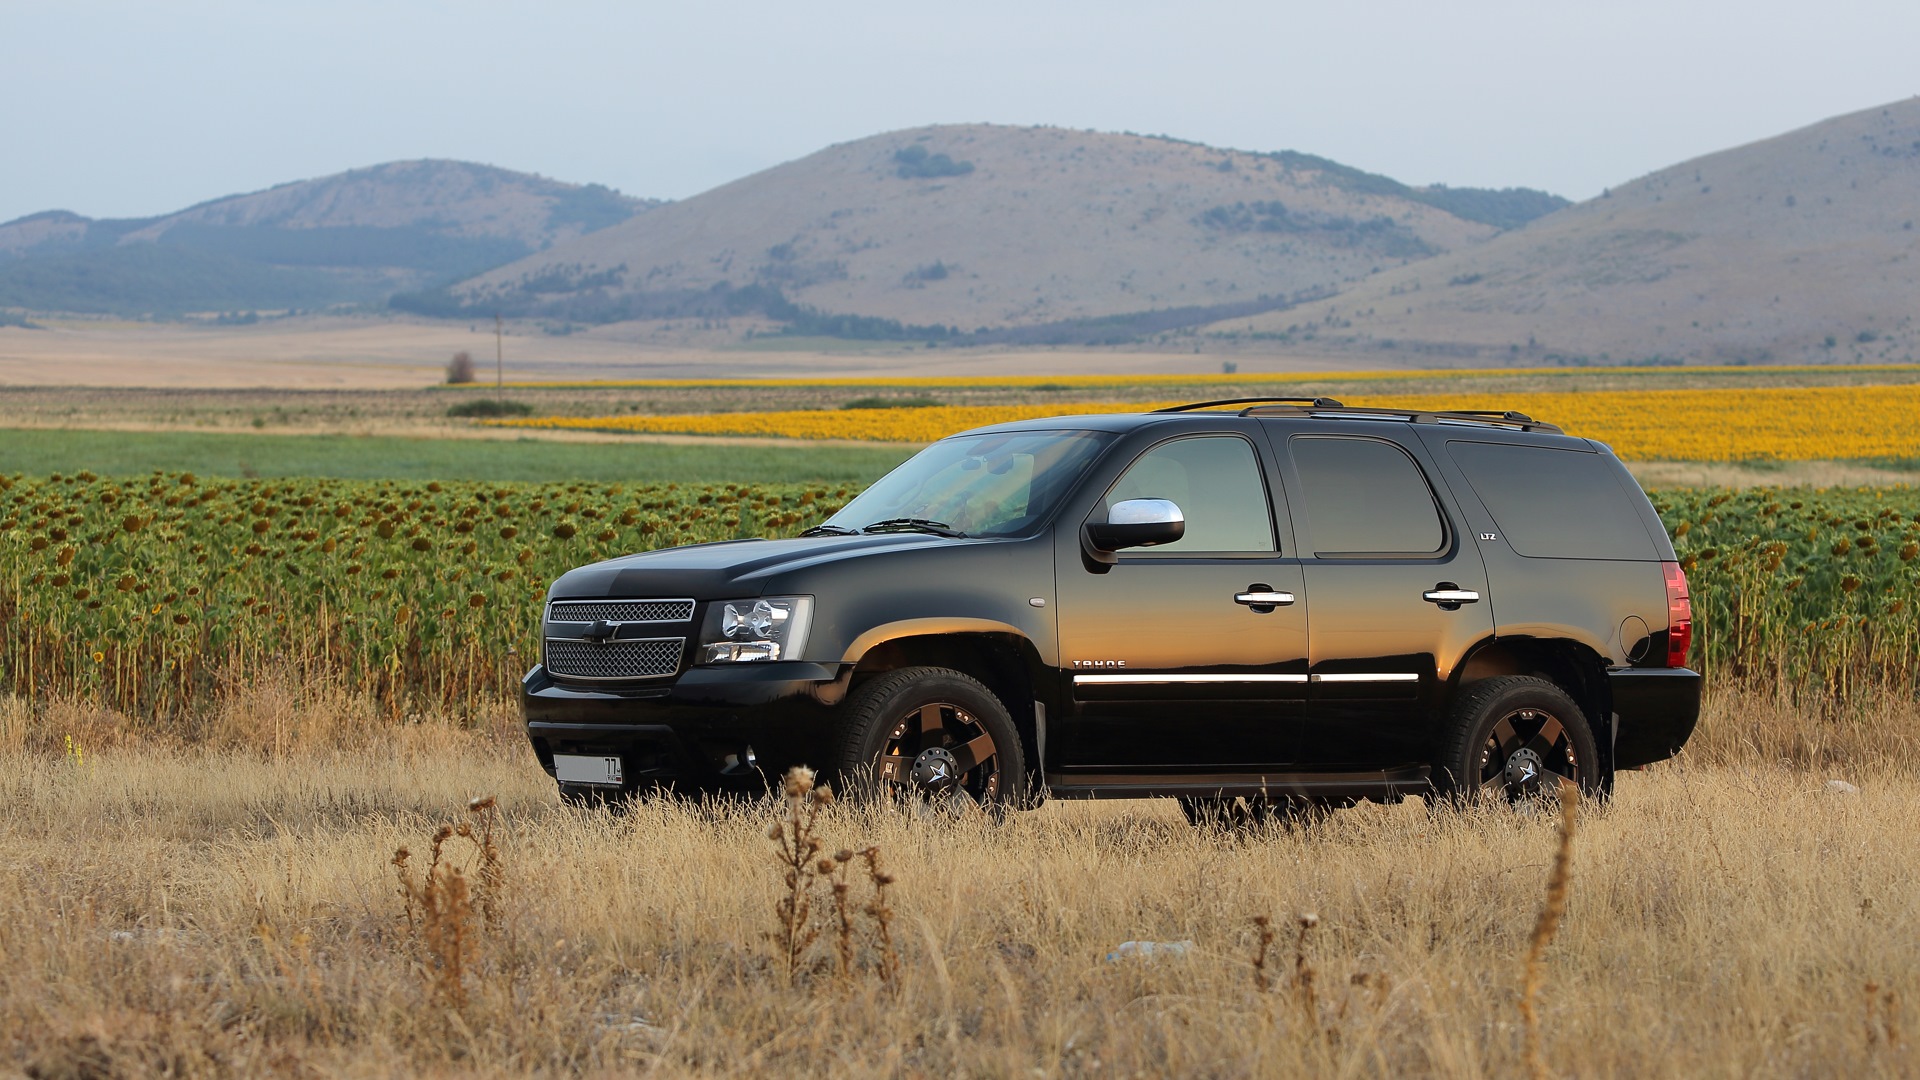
(130, 109)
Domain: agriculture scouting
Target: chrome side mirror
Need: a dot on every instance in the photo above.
(1137, 523)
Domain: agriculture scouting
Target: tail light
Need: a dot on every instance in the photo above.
(1679, 615)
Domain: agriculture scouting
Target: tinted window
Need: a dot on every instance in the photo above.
(1216, 482)
(1551, 503)
(1365, 496)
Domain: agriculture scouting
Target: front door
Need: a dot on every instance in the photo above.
(1398, 592)
(1190, 656)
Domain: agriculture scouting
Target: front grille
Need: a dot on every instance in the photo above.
(620, 611)
(646, 658)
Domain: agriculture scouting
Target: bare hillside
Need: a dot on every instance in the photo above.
(975, 226)
(1797, 248)
(353, 237)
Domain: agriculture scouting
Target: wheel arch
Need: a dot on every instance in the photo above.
(1572, 665)
(1001, 657)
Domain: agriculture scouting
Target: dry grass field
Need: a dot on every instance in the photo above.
(373, 352)
(219, 912)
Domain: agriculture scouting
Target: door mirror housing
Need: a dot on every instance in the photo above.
(1137, 523)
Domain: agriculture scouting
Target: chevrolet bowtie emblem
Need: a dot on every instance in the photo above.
(601, 631)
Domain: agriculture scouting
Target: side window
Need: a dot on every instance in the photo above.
(1555, 504)
(1215, 480)
(1365, 497)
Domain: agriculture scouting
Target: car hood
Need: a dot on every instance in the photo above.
(728, 570)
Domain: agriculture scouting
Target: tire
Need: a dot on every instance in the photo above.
(931, 735)
(1514, 738)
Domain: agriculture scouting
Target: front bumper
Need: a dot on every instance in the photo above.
(1655, 710)
(694, 734)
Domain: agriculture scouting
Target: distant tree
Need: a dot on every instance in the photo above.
(460, 368)
(937, 270)
(915, 163)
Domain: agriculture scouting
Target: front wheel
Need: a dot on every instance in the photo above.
(933, 735)
(1516, 737)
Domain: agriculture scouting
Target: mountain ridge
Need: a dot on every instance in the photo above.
(1800, 247)
(350, 237)
(962, 228)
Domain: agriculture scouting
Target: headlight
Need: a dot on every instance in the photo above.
(773, 628)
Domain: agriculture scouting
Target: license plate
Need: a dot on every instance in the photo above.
(579, 769)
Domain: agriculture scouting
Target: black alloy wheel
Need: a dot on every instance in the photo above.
(1516, 738)
(933, 736)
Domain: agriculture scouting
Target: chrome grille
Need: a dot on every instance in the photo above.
(645, 658)
(620, 611)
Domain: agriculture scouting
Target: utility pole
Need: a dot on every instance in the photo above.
(499, 364)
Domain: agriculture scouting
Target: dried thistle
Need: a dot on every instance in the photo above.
(492, 869)
(1547, 923)
(1261, 980)
(1882, 1015)
(1303, 970)
(440, 837)
(407, 888)
(444, 929)
(1870, 997)
(882, 914)
(797, 845)
(842, 909)
(445, 902)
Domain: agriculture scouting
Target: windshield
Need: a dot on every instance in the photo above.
(980, 485)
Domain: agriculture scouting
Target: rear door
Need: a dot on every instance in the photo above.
(1173, 665)
(1395, 585)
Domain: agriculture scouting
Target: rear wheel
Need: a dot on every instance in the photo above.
(933, 736)
(1514, 738)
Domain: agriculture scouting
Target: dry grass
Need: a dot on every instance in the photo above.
(207, 912)
(1739, 728)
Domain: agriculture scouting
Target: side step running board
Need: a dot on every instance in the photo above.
(1368, 784)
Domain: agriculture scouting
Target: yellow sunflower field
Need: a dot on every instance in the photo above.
(1732, 424)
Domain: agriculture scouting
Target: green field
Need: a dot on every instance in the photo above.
(147, 593)
(390, 457)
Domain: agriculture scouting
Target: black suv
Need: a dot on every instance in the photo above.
(1264, 603)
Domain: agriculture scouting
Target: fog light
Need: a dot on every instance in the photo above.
(725, 652)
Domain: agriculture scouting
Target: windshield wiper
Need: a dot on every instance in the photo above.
(937, 528)
(831, 530)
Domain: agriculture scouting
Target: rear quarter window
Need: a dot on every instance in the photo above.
(1556, 504)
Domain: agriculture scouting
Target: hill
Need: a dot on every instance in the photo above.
(946, 229)
(1797, 248)
(358, 236)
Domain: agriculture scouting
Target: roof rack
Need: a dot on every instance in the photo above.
(1505, 418)
(1315, 402)
(1329, 407)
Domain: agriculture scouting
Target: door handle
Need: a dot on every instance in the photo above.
(1259, 597)
(1450, 596)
